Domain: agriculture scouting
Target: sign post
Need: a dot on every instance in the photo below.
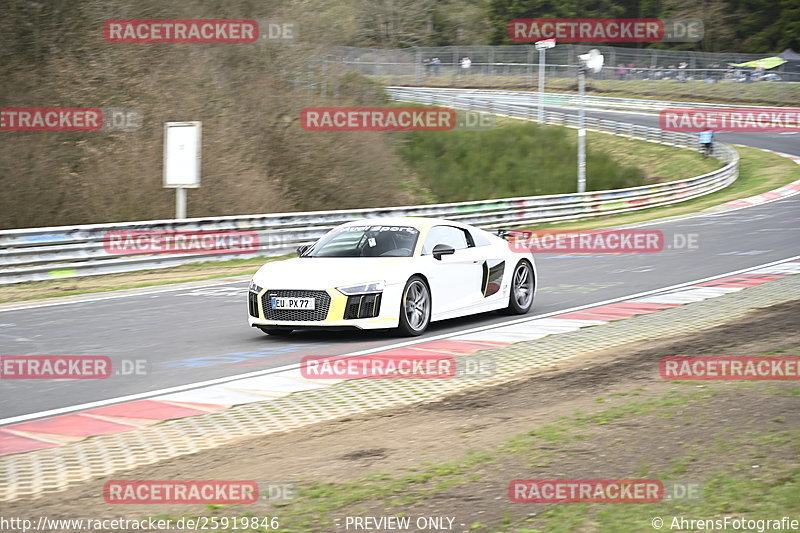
(593, 62)
(542, 46)
(182, 147)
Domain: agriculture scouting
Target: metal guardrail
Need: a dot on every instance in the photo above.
(418, 73)
(70, 251)
(564, 100)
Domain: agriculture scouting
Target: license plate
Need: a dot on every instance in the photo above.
(292, 303)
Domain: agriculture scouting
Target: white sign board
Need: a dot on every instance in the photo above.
(182, 143)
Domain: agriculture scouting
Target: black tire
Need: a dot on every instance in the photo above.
(517, 305)
(276, 331)
(416, 316)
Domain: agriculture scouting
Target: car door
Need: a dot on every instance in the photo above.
(455, 279)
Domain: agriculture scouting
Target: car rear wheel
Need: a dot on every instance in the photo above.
(522, 287)
(278, 332)
(415, 307)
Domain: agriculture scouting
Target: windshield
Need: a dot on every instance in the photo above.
(366, 241)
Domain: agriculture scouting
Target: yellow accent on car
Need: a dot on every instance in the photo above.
(260, 301)
(338, 303)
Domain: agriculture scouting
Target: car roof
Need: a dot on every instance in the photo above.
(421, 223)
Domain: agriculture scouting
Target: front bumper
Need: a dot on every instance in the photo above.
(260, 313)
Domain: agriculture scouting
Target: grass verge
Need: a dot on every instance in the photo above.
(759, 172)
(760, 93)
(520, 158)
(36, 290)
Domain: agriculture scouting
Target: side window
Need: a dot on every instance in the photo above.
(457, 238)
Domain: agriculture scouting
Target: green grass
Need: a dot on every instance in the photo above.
(35, 290)
(759, 172)
(753, 496)
(759, 93)
(740, 491)
(525, 159)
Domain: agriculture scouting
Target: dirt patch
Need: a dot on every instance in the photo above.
(604, 414)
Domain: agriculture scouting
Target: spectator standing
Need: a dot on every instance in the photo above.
(682, 71)
(466, 64)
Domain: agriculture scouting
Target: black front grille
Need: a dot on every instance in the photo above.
(322, 303)
(362, 306)
(252, 303)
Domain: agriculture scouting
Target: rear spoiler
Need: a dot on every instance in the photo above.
(512, 234)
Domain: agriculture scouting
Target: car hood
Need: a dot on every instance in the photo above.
(330, 272)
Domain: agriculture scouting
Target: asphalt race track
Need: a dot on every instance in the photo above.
(187, 336)
(780, 142)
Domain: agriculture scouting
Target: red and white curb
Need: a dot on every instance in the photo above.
(786, 191)
(62, 429)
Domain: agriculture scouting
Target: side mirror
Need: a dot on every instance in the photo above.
(442, 249)
(302, 249)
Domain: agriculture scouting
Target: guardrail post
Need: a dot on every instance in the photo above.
(529, 66)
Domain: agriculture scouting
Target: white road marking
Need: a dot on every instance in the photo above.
(190, 386)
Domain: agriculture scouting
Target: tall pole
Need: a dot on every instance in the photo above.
(541, 85)
(180, 202)
(581, 131)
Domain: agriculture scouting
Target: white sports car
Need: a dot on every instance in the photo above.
(392, 273)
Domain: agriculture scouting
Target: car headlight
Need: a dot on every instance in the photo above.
(364, 288)
(253, 287)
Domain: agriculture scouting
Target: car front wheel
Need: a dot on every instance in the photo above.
(415, 307)
(522, 286)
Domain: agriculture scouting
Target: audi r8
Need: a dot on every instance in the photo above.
(399, 273)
